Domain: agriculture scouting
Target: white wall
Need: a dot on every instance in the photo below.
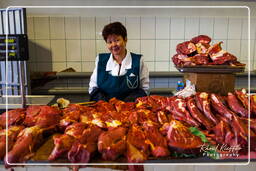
(58, 42)
(61, 38)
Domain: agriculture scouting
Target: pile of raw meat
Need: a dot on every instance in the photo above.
(198, 51)
(153, 126)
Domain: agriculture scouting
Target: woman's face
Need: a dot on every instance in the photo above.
(116, 44)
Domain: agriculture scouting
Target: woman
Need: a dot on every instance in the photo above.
(120, 73)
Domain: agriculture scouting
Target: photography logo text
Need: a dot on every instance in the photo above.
(220, 150)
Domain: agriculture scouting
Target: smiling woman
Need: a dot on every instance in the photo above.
(120, 73)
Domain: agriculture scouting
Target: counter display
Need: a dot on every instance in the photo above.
(153, 128)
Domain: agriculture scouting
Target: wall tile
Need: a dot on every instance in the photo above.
(43, 51)
(119, 19)
(100, 23)
(233, 47)
(162, 66)
(245, 28)
(234, 28)
(133, 27)
(88, 50)
(206, 26)
(254, 55)
(101, 47)
(173, 44)
(252, 29)
(88, 27)
(32, 67)
(57, 28)
(41, 27)
(30, 27)
(172, 67)
(72, 27)
(32, 50)
(58, 49)
(59, 66)
(88, 66)
(191, 27)
(150, 65)
(177, 28)
(73, 50)
(162, 50)
(220, 28)
(162, 27)
(44, 66)
(133, 46)
(244, 50)
(214, 168)
(148, 50)
(147, 27)
(161, 84)
(75, 65)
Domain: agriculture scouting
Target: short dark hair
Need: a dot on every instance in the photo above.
(116, 28)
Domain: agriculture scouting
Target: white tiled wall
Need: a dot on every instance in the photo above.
(59, 42)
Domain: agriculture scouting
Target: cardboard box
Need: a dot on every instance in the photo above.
(212, 82)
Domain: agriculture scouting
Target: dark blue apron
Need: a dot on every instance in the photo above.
(118, 86)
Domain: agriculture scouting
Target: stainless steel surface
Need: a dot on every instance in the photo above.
(14, 102)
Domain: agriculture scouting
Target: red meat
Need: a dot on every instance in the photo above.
(194, 111)
(180, 138)
(12, 134)
(186, 48)
(201, 39)
(235, 105)
(15, 117)
(112, 143)
(220, 107)
(27, 142)
(203, 103)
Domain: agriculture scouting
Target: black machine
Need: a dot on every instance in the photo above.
(17, 47)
